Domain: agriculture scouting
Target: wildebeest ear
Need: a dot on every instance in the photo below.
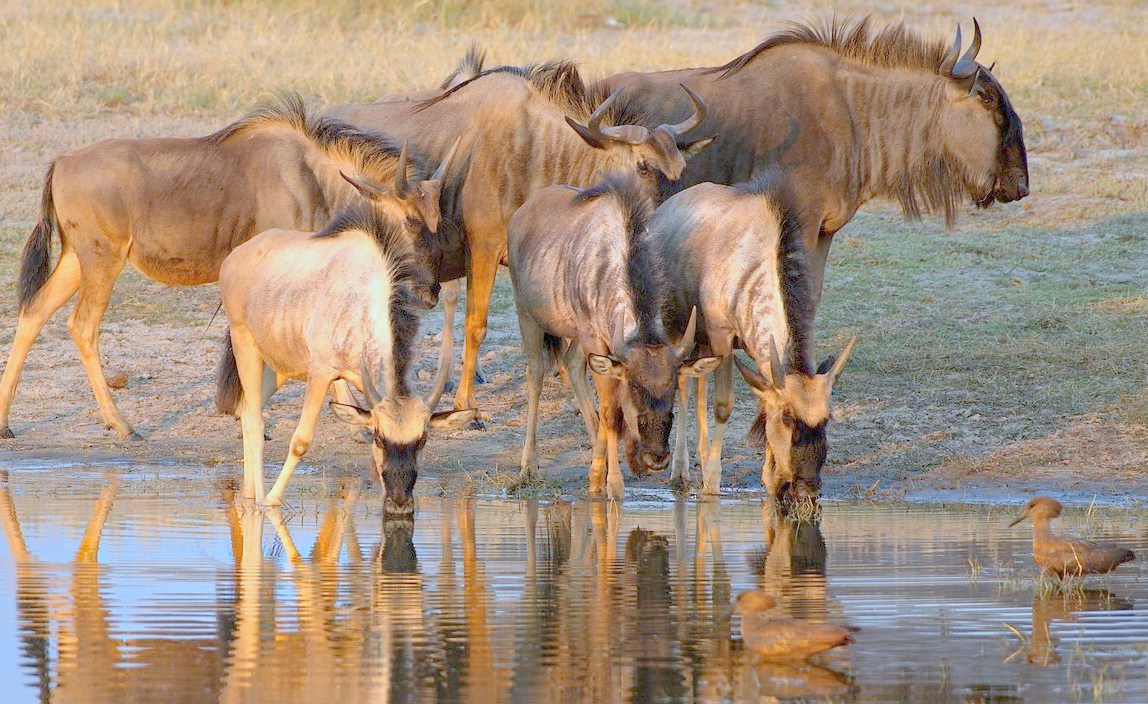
(701, 366)
(606, 366)
(691, 149)
(453, 419)
(827, 364)
(585, 133)
(350, 414)
(369, 188)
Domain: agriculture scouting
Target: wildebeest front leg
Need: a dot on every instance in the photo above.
(60, 286)
(448, 294)
(575, 364)
(700, 387)
(607, 431)
(313, 398)
(723, 406)
(680, 470)
(483, 267)
(532, 347)
(249, 365)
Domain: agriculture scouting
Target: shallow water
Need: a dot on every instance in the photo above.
(117, 590)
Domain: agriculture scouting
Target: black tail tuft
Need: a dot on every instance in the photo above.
(35, 262)
(553, 347)
(228, 390)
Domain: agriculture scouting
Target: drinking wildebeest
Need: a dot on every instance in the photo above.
(330, 306)
(587, 283)
(850, 114)
(735, 256)
(523, 129)
(175, 208)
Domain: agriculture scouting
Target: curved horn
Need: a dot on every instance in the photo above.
(444, 358)
(630, 134)
(402, 187)
(369, 388)
(953, 53)
(839, 364)
(967, 65)
(776, 370)
(440, 172)
(618, 343)
(751, 375)
(599, 113)
(693, 121)
(687, 342)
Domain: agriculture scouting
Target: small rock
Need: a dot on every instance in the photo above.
(118, 380)
(424, 374)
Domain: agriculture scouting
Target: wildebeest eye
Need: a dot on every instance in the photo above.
(788, 419)
(643, 169)
(987, 99)
(413, 222)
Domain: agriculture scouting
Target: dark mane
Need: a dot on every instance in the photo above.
(396, 250)
(561, 83)
(372, 154)
(895, 46)
(643, 270)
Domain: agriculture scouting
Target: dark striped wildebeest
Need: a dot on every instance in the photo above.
(523, 129)
(735, 255)
(175, 208)
(850, 114)
(330, 306)
(587, 286)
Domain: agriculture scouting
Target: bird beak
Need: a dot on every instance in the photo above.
(724, 615)
(1020, 518)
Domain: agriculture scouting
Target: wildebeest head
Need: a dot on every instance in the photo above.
(416, 205)
(652, 152)
(794, 410)
(398, 427)
(981, 129)
(648, 373)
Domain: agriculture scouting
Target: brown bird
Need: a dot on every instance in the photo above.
(1064, 555)
(781, 637)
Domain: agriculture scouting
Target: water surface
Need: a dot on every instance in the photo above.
(114, 589)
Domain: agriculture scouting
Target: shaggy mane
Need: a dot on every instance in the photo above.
(895, 46)
(372, 154)
(560, 82)
(644, 273)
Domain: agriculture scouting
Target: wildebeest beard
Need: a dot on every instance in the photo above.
(399, 470)
(655, 420)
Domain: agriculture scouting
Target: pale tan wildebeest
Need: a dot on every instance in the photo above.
(325, 307)
(849, 113)
(176, 207)
(588, 287)
(735, 254)
(523, 129)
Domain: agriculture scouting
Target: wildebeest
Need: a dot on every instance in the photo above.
(333, 305)
(523, 129)
(850, 114)
(736, 256)
(176, 207)
(587, 286)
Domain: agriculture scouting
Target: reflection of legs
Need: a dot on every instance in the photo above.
(89, 549)
(483, 267)
(245, 645)
(60, 286)
(723, 405)
(99, 275)
(300, 442)
(532, 347)
(249, 364)
(680, 471)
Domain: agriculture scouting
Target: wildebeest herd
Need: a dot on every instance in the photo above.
(653, 224)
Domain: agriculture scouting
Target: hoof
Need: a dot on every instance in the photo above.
(524, 480)
(479, 378)
(615, 491)
(449, 386)
(6, 433)
(133, 436)
(680, 486)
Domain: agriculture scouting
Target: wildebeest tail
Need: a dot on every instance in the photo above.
(553, 347)
(228, 390)
(35, 262)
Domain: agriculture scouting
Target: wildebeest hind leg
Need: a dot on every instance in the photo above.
(680, 465)
(98, 276)
(249, 365)
(60, 286)
(701, 391)
(575, 365)
(483, 267)
(723, 405)
(301, 440)
(532, 346)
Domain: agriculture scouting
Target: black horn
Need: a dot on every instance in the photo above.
(693, 121)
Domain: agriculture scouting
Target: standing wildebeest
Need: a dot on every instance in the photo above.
(175, 208)
(524, 129)
(330, 306)
(736, 256)
(849, 114)
(586, 282)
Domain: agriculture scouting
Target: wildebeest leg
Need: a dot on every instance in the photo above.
(313, 399)
(723, 406)
(249, 364)
(574, 363)
(482, 269)
(700, 386)
(448, 294)
(99, 275)
(680, 465)
(608, 401)
(597, 474)
(532, 347)
(60, 286)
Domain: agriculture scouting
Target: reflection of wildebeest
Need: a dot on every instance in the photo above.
(587, 283)
(522, 130)
(324, 307)
(850, 114)
(175, 208)
(735, 255)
